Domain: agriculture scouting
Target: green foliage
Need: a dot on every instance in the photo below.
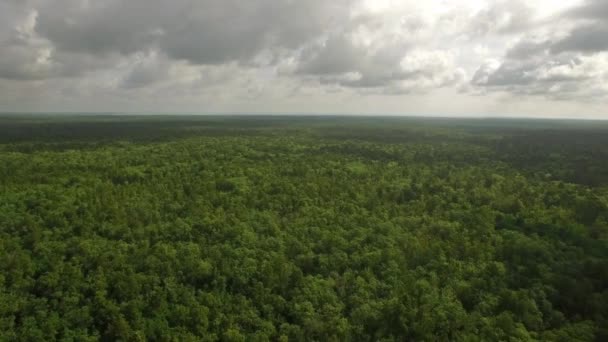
(301, 230)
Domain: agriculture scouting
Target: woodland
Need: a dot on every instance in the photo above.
(278, 228)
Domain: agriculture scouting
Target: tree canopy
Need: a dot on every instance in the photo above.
(302, 230)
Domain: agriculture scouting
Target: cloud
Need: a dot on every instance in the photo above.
(590, 29)
(329, 41)
(23, 56)
(190, 49)
(146, 70)
(201, 32)
(587, 38)
(100, 27)
(383, 54)
(528, 48)
(590, 9)
(503, 17)
(554, 62)
(564, 77)
(389, 64)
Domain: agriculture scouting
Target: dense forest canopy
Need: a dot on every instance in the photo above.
(177, 228)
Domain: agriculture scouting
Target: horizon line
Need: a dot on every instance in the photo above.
(308, 114)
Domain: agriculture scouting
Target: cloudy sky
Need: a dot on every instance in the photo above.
(540, 58)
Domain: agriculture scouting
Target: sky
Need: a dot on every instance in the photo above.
(539, 58)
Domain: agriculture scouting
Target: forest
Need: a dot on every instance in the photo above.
(296, 228)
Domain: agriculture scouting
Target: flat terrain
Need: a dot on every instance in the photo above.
(255, 228)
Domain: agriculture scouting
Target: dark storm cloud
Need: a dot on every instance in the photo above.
(71, 37)
(66, 38)
(587, 38)
(98, 27)
(591, 32)
(27, 56)
(590, 9)
(526, 49)
(201, 32)
(237, 30)
(214, 32)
